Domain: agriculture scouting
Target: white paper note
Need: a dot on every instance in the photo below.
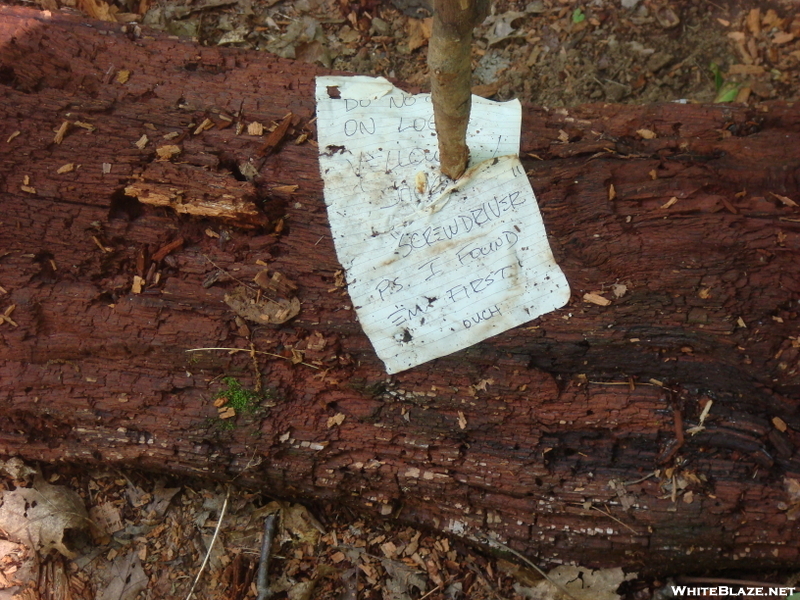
(432, 265)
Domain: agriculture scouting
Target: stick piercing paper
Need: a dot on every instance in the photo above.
(432, 265)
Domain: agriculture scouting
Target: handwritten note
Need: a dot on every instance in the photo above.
(432, 265)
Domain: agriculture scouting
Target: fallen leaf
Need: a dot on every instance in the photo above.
(753, 21)
(42, 516)
(106, 517)
(418, 32)
(580, 582)
(402, 579)
(782, 37)
(127, 578)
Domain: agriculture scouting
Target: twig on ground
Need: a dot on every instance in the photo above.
(211, 545)
(262, 582)
(522, 557)
(253, 351)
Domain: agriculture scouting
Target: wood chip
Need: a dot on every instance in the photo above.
(12, 136)
(669, 202)
(276, 136)
(739, 69)
(704, 293)
(647, 134)
(61, 132)
(226, 412)
(167, 151)
(138, 284)
(65, 168)
(206, 124)
(785, 200)
(28, 189)
(563, 136)
(779, 424)
(462, 420)
(141, 142)
(162, 252)
(123, 76)
(255, 128)
(84, 125)
(594, 298)
(285, 189)
(612, 193)
(740, 322)
(336, 420)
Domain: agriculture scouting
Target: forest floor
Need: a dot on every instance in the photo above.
(149, 535)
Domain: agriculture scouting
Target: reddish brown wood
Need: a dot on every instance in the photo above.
(518, 437)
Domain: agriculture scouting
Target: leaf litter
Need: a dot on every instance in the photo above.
(149, 536)
(546, 52)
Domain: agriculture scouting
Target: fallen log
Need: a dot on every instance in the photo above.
(650, 423)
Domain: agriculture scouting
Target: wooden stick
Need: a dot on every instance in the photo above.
(450, 65)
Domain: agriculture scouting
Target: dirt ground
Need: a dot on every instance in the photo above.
(140, 536)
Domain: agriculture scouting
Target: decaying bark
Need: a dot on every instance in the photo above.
(656, 430)
(450, 64)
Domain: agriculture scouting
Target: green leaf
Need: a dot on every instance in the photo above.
(578, 15)
(728, 92)
(718, 79)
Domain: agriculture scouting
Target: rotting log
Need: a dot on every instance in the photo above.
(532, 437)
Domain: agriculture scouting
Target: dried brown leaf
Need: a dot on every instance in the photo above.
(41, 516)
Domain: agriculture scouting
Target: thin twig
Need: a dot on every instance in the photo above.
(613, 518)
(211, 545)
(438, 587)
(262, 582)
(255, 289)
(640, 480)
(256, 351)
(606, 513)
(520, 556)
